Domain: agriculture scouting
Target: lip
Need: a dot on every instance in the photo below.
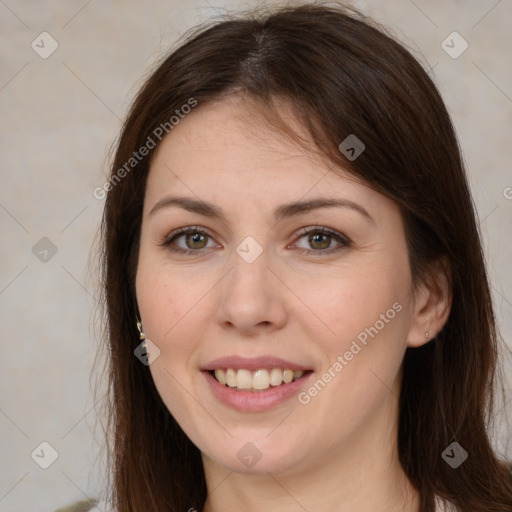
(255, 401)
(253, 363)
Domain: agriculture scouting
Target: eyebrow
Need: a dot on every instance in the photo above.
(281, 212)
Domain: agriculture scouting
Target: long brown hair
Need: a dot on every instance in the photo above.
(343, 74)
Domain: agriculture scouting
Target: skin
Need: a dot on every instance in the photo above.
(337, 452)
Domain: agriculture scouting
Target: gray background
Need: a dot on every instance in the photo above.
(59, 117)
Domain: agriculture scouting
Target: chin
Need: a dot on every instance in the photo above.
(258, 457)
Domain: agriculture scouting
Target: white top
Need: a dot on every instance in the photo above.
(101, 506)
(441, 506)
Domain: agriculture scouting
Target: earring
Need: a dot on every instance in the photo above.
(427, 334)
(142, 336)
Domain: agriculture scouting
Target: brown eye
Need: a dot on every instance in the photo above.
(321, 239)
(194, 240)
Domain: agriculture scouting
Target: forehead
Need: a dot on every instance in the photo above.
(230, 143)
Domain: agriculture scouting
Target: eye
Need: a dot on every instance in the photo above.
(194, 239)
(321, 239)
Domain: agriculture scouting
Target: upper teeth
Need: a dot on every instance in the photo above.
(259, 380)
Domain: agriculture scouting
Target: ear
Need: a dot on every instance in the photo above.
(432, 305)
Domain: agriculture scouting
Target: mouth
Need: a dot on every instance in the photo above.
(256, 384)
(257, 381)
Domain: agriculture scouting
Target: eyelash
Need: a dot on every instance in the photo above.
(343, 240)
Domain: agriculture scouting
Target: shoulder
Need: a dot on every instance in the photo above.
(80, 506)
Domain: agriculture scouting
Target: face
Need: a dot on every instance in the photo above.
(239, 280)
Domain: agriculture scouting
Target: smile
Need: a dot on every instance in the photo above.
(259, 380)
(255, 384)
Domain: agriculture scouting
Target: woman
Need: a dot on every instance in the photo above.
(299, 316)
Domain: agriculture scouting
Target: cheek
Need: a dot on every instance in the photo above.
(363, 350)
(169, 304)
(363, 333)
(368, 342)
(357, 301)
(175, 305)
(168, 299)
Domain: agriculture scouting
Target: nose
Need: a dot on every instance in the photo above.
(252, 298)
